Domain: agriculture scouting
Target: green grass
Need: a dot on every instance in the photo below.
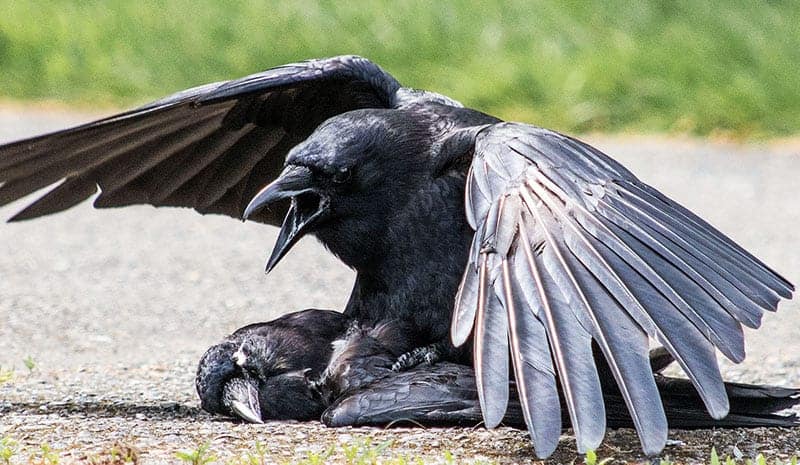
(199, 456)
(8, 449)
(6, 375)
(685, 66)
(357, 452)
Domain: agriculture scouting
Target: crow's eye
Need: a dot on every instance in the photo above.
(342, 175)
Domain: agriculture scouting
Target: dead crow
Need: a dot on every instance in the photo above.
(263, 371)
(273, 371)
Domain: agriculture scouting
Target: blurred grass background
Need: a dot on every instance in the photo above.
(728, 67)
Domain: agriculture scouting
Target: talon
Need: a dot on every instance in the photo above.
(429, 354)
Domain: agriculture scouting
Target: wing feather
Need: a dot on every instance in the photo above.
(533, 365)
(743, 272)
(713, 278)
(204, 148)
(491, 359)
(466, 306)
(749, 262)
(624, 344)
(577, 251)
(571, 342)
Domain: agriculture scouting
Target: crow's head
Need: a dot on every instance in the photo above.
(346, 182)
(266, 370)
(255, 382)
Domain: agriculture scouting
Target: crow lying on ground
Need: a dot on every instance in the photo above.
(246, 376)
(264, 370)
(532, 245)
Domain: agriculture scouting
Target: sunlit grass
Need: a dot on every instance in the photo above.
(683, 66)
(362, 451)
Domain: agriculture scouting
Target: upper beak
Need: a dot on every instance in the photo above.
(241, 397)
(292, 182)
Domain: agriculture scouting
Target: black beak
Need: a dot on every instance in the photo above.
(241, 397)
(308, 207)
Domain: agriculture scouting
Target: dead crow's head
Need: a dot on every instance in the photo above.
(264, 371)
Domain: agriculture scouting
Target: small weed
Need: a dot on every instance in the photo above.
(8, 448)
(118, 455)
(30, 363)
(6, 375)
(258, 456)
(200, 456)
(448, 457)
(714, 459)
(45, 456)
(591, 458)
(364, 452)
(317, 458)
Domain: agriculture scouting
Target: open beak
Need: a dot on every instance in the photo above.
(241, 397)
(307, 207)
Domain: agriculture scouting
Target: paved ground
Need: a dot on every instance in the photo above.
(116, 306)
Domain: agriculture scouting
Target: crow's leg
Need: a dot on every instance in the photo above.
(429, 354)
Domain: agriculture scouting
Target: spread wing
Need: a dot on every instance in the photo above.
(572, 251)
(210, 148)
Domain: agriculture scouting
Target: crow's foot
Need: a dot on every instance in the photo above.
(429, 354)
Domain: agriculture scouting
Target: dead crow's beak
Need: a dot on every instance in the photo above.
(241, 397)
(308, 207)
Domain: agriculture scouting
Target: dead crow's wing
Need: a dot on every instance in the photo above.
(572, 250)
(439, 394)
(210, 148)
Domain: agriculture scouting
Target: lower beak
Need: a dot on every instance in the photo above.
(295, 182)
(295, 225)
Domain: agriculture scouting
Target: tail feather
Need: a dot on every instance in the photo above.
(751, 406)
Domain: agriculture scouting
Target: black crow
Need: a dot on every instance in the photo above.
(297, 365)
(263, 371)
(532, 244)
(361, 384)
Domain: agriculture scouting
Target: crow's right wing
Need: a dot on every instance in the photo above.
(210, 148)
(572, 250)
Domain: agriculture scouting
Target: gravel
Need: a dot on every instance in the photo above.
(114, 307)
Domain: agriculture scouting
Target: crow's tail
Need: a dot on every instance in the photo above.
(751, 406)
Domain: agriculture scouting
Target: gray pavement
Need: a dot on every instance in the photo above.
(119, 304)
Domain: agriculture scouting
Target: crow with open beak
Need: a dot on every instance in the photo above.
(530, 245)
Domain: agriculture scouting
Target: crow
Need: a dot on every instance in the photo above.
(532, 246)
(295, 366)
(362, 385)
(263, 371)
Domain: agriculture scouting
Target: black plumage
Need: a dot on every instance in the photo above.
(545, 246)
(263, 371)
(360, 384)
(446, 394)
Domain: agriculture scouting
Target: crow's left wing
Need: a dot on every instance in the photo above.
(571, 250)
